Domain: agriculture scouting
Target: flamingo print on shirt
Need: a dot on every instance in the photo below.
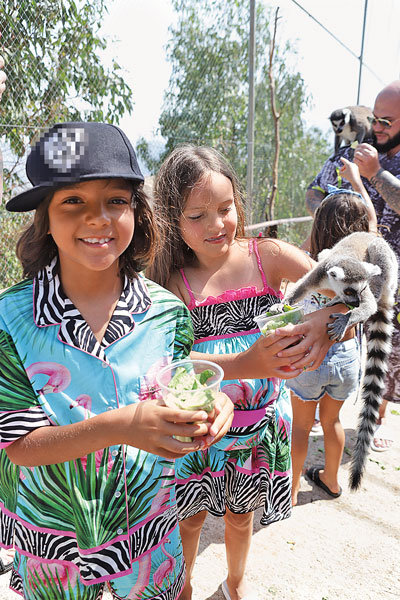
(166, 567)
(143, 578)
(85, 401)
(59, 376)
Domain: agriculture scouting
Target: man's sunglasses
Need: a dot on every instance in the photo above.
(386, 123)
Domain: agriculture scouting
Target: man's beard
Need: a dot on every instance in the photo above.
(392, 143)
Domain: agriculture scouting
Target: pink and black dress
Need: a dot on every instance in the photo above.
(250, 466)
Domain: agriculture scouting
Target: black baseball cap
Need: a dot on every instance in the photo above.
(73, 152)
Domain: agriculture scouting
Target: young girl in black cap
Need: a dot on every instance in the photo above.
(87, 474)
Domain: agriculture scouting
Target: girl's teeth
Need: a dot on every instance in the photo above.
(97, 240)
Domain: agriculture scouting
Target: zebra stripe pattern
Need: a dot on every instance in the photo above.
(233, 489)
(236, 316)
(112, 559)
(52, 307)
(16, 424)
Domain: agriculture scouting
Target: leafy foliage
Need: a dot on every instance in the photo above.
(55, 73)
(207, 101)
(54, 68)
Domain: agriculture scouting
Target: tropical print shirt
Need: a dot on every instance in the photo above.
(100, 513)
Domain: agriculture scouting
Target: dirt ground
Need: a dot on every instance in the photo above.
(343, 549)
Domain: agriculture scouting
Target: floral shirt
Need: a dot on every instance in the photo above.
(102, 512)
(387, 217)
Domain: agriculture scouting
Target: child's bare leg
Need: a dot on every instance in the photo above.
(190, 530)
(334, 439)
(238, 534)
(303, 420)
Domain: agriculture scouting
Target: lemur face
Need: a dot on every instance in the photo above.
(350, 283)
(339, 119)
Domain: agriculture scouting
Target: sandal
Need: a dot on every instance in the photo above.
(382, 432)
(313, 475)
(227, 595)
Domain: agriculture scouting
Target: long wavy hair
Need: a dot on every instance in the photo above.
(337, 216)
(182, 170)
(36, 247)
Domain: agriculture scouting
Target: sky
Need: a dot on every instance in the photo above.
(139, 31)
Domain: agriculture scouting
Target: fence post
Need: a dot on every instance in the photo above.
(250, 121)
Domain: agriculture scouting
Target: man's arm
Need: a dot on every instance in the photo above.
(386, 184)
(314, 198)
(388, 187)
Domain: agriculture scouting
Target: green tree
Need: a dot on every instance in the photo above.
(55, 68)
(207, 98)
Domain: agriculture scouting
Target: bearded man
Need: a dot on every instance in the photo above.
(379, 165)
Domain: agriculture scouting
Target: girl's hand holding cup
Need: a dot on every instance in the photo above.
(190, 385)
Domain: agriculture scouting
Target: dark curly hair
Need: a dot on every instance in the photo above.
(36, 248)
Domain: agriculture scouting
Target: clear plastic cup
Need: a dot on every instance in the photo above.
(268, 324)
(190, 385)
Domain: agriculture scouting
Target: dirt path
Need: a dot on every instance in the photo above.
(344, 549)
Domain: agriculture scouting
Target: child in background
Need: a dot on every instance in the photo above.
(87, 473)
(341, 213)
(226, 280)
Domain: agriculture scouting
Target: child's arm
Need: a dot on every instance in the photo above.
(351, 172)
(259, 361)
(147, 425)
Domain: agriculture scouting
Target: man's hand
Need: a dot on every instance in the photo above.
(366, 159)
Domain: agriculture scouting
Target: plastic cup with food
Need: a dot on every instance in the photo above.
(279, 315)
(190, 385)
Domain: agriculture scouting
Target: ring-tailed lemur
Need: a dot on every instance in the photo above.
(362, 270)
(351, 124)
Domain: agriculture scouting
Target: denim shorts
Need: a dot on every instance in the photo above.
(338, 375)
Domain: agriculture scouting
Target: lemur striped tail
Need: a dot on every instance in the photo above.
(380, 327)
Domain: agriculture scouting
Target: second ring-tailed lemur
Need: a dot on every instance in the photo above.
(351, 124)
(362, 271)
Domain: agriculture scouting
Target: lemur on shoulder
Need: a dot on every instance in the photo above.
(351, 124)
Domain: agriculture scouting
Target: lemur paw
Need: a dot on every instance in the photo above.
(337, 329)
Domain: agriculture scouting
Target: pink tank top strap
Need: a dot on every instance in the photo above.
(185, 281)
(253, 246)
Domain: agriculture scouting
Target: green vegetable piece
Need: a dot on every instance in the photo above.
(205, 376)
(182, 379)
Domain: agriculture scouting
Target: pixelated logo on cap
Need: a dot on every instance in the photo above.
(64, 149)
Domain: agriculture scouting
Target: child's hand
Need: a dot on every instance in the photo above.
(350, 171)
(315, 341)
(263, 358)
(220, 419)
(150, 426)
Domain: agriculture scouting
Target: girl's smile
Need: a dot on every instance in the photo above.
(92, 224)
(209, 220)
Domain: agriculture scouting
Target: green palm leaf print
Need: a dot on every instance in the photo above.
(9, 479)
(45, 497)
(16, 392)
(195, 463)
(98, 510)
